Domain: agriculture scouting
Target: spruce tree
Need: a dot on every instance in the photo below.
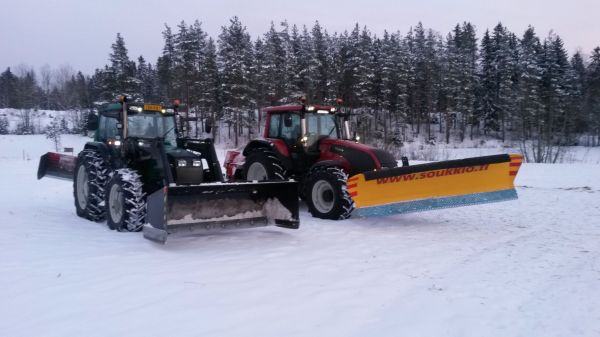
(165, 66)
(121, 72)
(498, 67)
(235, 62)
(468, 78)
(365, 81)
(592, 102)
(147, 77)
(275, 66)
(300, 63)
(551, 124)
(260, 73)
(8, 89)
(27, 91)
(528, 96)
(4, 126)
(186, 65)
(320, 76)
(576, 78)
(209, 99)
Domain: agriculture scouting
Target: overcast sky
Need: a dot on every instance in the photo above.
(80, 32)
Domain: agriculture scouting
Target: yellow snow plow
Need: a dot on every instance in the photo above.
(435, 185)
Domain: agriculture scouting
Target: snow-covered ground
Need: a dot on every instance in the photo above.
(529, 267)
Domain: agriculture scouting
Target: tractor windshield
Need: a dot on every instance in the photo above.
(321, 125)
(152, 126)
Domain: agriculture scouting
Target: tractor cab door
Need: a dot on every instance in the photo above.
(107, 129)
(291, 131)
(288, 127)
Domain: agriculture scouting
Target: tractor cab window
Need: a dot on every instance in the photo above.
(152, 126)
(320, 126)
(285, 126)
(293, 131)
(274, 126)
(107, 128)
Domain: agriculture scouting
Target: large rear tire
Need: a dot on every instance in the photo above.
(326, 194)
(263, 164)
(89, 185)
(125, 201)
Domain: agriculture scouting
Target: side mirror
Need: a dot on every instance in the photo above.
(207, 127)
(287, 121)
(92, 122)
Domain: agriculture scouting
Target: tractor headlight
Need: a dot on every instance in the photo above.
(181, 162)
(196, 163)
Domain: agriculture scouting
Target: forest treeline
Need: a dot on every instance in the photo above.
(517, 87)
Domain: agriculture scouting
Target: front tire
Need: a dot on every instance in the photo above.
(89, 185)
(125, 201)
(263, 164)
(326, 194)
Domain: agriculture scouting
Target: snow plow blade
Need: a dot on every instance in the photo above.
(56, 165)
(436, 185)
(206, 208)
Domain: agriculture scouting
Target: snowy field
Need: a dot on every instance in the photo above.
(529, 267)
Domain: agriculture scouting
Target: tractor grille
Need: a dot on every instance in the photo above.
(385, 158)
(359, 161)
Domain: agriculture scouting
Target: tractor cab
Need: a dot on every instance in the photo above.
(302, 127)
(117, 122)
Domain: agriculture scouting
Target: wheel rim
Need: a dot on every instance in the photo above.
(82, 187)
(257, 171)
(115, 199)
(322, 196)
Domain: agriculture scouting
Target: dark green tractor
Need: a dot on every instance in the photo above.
(140, 173)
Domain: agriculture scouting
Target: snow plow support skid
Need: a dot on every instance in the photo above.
(436, 185)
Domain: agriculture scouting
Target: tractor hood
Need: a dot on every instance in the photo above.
(186, 167)
(180, 154)
(362, 158)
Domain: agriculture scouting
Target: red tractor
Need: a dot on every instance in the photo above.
(313, 145)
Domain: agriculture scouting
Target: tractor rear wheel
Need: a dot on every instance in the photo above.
(88, 185)
(125, 201)
(326, 194)
(263, 164)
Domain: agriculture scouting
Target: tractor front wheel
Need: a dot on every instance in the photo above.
(125, 201)
(326, 194)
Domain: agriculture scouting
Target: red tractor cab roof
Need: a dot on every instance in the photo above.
(299, 108)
